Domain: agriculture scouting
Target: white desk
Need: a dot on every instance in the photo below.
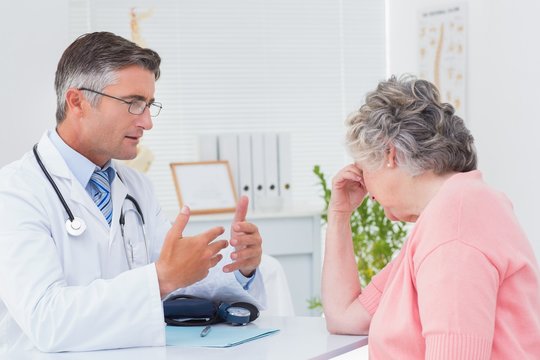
(293, 237)
(298, 338)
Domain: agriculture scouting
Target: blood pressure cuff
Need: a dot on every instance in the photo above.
(185, 310)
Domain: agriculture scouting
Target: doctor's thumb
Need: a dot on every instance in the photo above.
(241, 209)
(181, 220)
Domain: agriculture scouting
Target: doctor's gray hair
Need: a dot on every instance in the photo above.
(407, 114)
(92, 61)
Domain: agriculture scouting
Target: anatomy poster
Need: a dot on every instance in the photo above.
(442, 52)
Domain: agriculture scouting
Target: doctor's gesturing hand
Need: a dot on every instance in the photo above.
(247, 241)
(186, 260)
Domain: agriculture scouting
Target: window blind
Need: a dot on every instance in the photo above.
(251, 65)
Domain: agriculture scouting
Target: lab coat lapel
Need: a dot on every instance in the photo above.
(61, 175)
(52, 159)
(119, 192)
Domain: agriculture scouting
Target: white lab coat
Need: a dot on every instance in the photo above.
(64, 293)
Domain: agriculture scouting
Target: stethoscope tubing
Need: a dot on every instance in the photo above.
(53, 184)
(72, 218)
(135, 203)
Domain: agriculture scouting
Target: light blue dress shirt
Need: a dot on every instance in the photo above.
(81, 167)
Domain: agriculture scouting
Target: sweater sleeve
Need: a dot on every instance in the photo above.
(371, 294)
(457, 291)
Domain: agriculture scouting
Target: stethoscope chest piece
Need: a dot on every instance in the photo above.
(75, 227)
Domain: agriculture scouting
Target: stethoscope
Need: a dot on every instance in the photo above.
(75, 226)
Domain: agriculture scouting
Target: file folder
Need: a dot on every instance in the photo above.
(271, 164)
(228, 150)
(285, 167)
(220, 336)
(258, 168)
(245, 184)
(208, 147)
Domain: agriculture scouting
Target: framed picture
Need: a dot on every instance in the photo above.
(207, 187)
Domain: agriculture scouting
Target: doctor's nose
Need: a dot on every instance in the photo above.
(145, 120)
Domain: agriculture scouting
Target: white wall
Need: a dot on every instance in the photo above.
(33, 35)
(272, 86)
(503, 74)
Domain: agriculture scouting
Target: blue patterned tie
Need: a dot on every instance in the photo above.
(102, 195)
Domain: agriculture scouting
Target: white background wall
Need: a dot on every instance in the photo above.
(503, 73)
(33, 35)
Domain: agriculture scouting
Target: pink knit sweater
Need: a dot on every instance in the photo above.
(466, 284)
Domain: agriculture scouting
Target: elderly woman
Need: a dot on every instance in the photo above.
(466, 284)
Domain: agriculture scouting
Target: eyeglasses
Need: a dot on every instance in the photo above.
(136, 107)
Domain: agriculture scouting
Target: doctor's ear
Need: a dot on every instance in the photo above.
(75, 101)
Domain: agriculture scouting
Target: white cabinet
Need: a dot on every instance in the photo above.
(292, 237)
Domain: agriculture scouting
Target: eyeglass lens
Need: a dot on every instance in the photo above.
(137, 107)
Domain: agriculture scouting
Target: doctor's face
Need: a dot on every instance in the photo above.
(109, 130)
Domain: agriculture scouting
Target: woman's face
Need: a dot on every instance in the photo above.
(388, 186)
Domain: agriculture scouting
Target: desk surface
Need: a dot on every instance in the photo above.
(298, 338)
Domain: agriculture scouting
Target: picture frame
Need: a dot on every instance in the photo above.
(207, 187)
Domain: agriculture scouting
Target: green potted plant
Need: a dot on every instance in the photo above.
(375, 238)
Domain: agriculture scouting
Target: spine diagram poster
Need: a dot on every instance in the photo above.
(442, 52)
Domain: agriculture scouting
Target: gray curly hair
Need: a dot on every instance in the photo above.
(408, 114)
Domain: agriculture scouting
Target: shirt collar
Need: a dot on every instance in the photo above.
(81, 167)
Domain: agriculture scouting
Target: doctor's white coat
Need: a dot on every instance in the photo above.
(64, 293)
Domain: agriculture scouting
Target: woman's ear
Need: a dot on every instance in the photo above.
(391, 156)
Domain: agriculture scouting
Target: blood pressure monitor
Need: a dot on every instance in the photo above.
(238, 313)
(187, 310)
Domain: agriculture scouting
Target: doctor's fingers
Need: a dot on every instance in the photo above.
(211, 234)
(241, 209)
(245, 227)
(216, 246)
(215, 260)
(181, 221)
(245, 260)
(242, 240)
(247, 253)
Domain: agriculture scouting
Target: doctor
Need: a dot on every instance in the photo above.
(86, 254)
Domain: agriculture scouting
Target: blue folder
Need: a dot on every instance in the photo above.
(219, 336)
